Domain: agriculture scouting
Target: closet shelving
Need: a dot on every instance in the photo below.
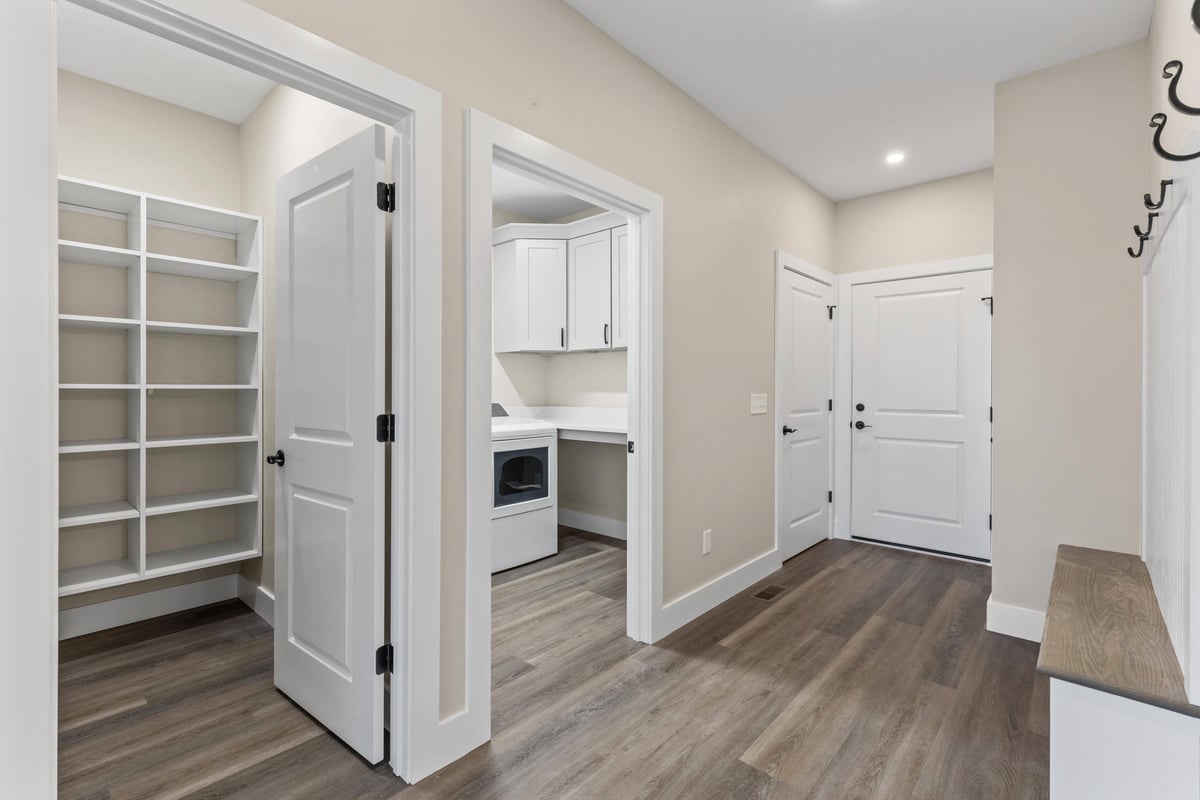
(160, 403)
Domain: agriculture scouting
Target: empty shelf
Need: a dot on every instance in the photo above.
(97, 446)
(81, 321)
(95, 513)
(195, 268)
(116, 386)
(203, 330)
(198, 556)
(96, 576)
(192, 501)
(192, 386)
(97, 254)
(193, 215)
(193, 441)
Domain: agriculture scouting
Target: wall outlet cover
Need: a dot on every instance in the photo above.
(758, 404)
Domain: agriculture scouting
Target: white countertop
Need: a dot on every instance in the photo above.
(578, 418)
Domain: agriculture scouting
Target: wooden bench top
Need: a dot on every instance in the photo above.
(1104, 630)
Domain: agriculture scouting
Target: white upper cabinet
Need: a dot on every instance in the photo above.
(589, 292)
(619, 336)
(529, 290)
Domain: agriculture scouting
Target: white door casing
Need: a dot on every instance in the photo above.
(589, 292)
(620, 287)
(921, 369)
(804, 338)
(329, 525)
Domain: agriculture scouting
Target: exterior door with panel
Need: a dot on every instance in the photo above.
(921, 430)
(329, 475)
(805, 339)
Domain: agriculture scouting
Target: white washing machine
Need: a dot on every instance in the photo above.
(524, 491)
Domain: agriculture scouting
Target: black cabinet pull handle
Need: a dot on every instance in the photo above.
(606, 333)
(276, 459)
(562, 337)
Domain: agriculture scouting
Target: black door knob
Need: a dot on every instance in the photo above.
(860, 407)
(276, 459)
(787, 430)
(860, 425)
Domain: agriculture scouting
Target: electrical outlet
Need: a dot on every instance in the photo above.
(706, 542)
(758, 404)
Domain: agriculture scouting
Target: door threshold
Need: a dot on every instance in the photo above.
(987, 562)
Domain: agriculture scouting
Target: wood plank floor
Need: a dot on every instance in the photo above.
(870, 675)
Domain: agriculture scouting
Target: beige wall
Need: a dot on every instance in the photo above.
(543, 68)
(287, 129)
(1070, 171)
(112, 136)
(944, 219)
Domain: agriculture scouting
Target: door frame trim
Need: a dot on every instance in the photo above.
(842, 371)
(490, 140)
(245, 36)
(786, 262)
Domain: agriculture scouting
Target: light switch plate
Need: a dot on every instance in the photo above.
(758, 404)
(706, 542)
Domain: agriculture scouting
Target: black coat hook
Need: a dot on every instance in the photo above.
(1162, 192)
(1159, 121)
(1174, 71)
(1149, 226)
(1196, 15)
(1141, 247)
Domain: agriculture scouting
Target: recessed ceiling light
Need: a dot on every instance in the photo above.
(895, 158)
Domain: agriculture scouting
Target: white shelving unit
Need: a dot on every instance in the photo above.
(160, 367)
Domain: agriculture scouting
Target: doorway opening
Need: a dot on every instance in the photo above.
(211, 158)
(564, 353)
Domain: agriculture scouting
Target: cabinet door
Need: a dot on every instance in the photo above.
(544, 263)
(620, 287)
(589, 292)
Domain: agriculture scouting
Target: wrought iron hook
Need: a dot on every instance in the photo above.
(1196, 14)
(1162, 192)
(1149, 226)
(1141, 248)
(1174, 71)
(1159, 121)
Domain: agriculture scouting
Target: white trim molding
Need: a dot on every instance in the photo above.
(74, 622)
(842, 399)
(682, 610)
(1023, 623)
(592, 523)
(259, 599)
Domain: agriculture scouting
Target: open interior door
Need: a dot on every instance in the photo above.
(329, 479)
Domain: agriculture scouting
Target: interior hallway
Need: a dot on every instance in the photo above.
(870, 675)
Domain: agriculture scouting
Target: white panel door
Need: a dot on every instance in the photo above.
(921, 389)
(805, 340)
(620, 287)
(589, 292)
(329, 387)
(544, 263)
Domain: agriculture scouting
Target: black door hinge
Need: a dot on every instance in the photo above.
(385, 660)
(385, 428)
(831, 496)
(385, 196)
(630, 444)
(991, 304)
(831, 308)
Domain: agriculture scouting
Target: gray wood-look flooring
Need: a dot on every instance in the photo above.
(870, 675)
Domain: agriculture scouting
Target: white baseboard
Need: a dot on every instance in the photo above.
(135, 608)
(1023, 623)
(592, 523)
(681, 611)
(260, 599)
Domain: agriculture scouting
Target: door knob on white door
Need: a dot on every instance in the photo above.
(787, 429)
(860, 425)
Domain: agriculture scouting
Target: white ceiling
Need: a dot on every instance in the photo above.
(532, 199)
(101, 48)
(830, 87)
